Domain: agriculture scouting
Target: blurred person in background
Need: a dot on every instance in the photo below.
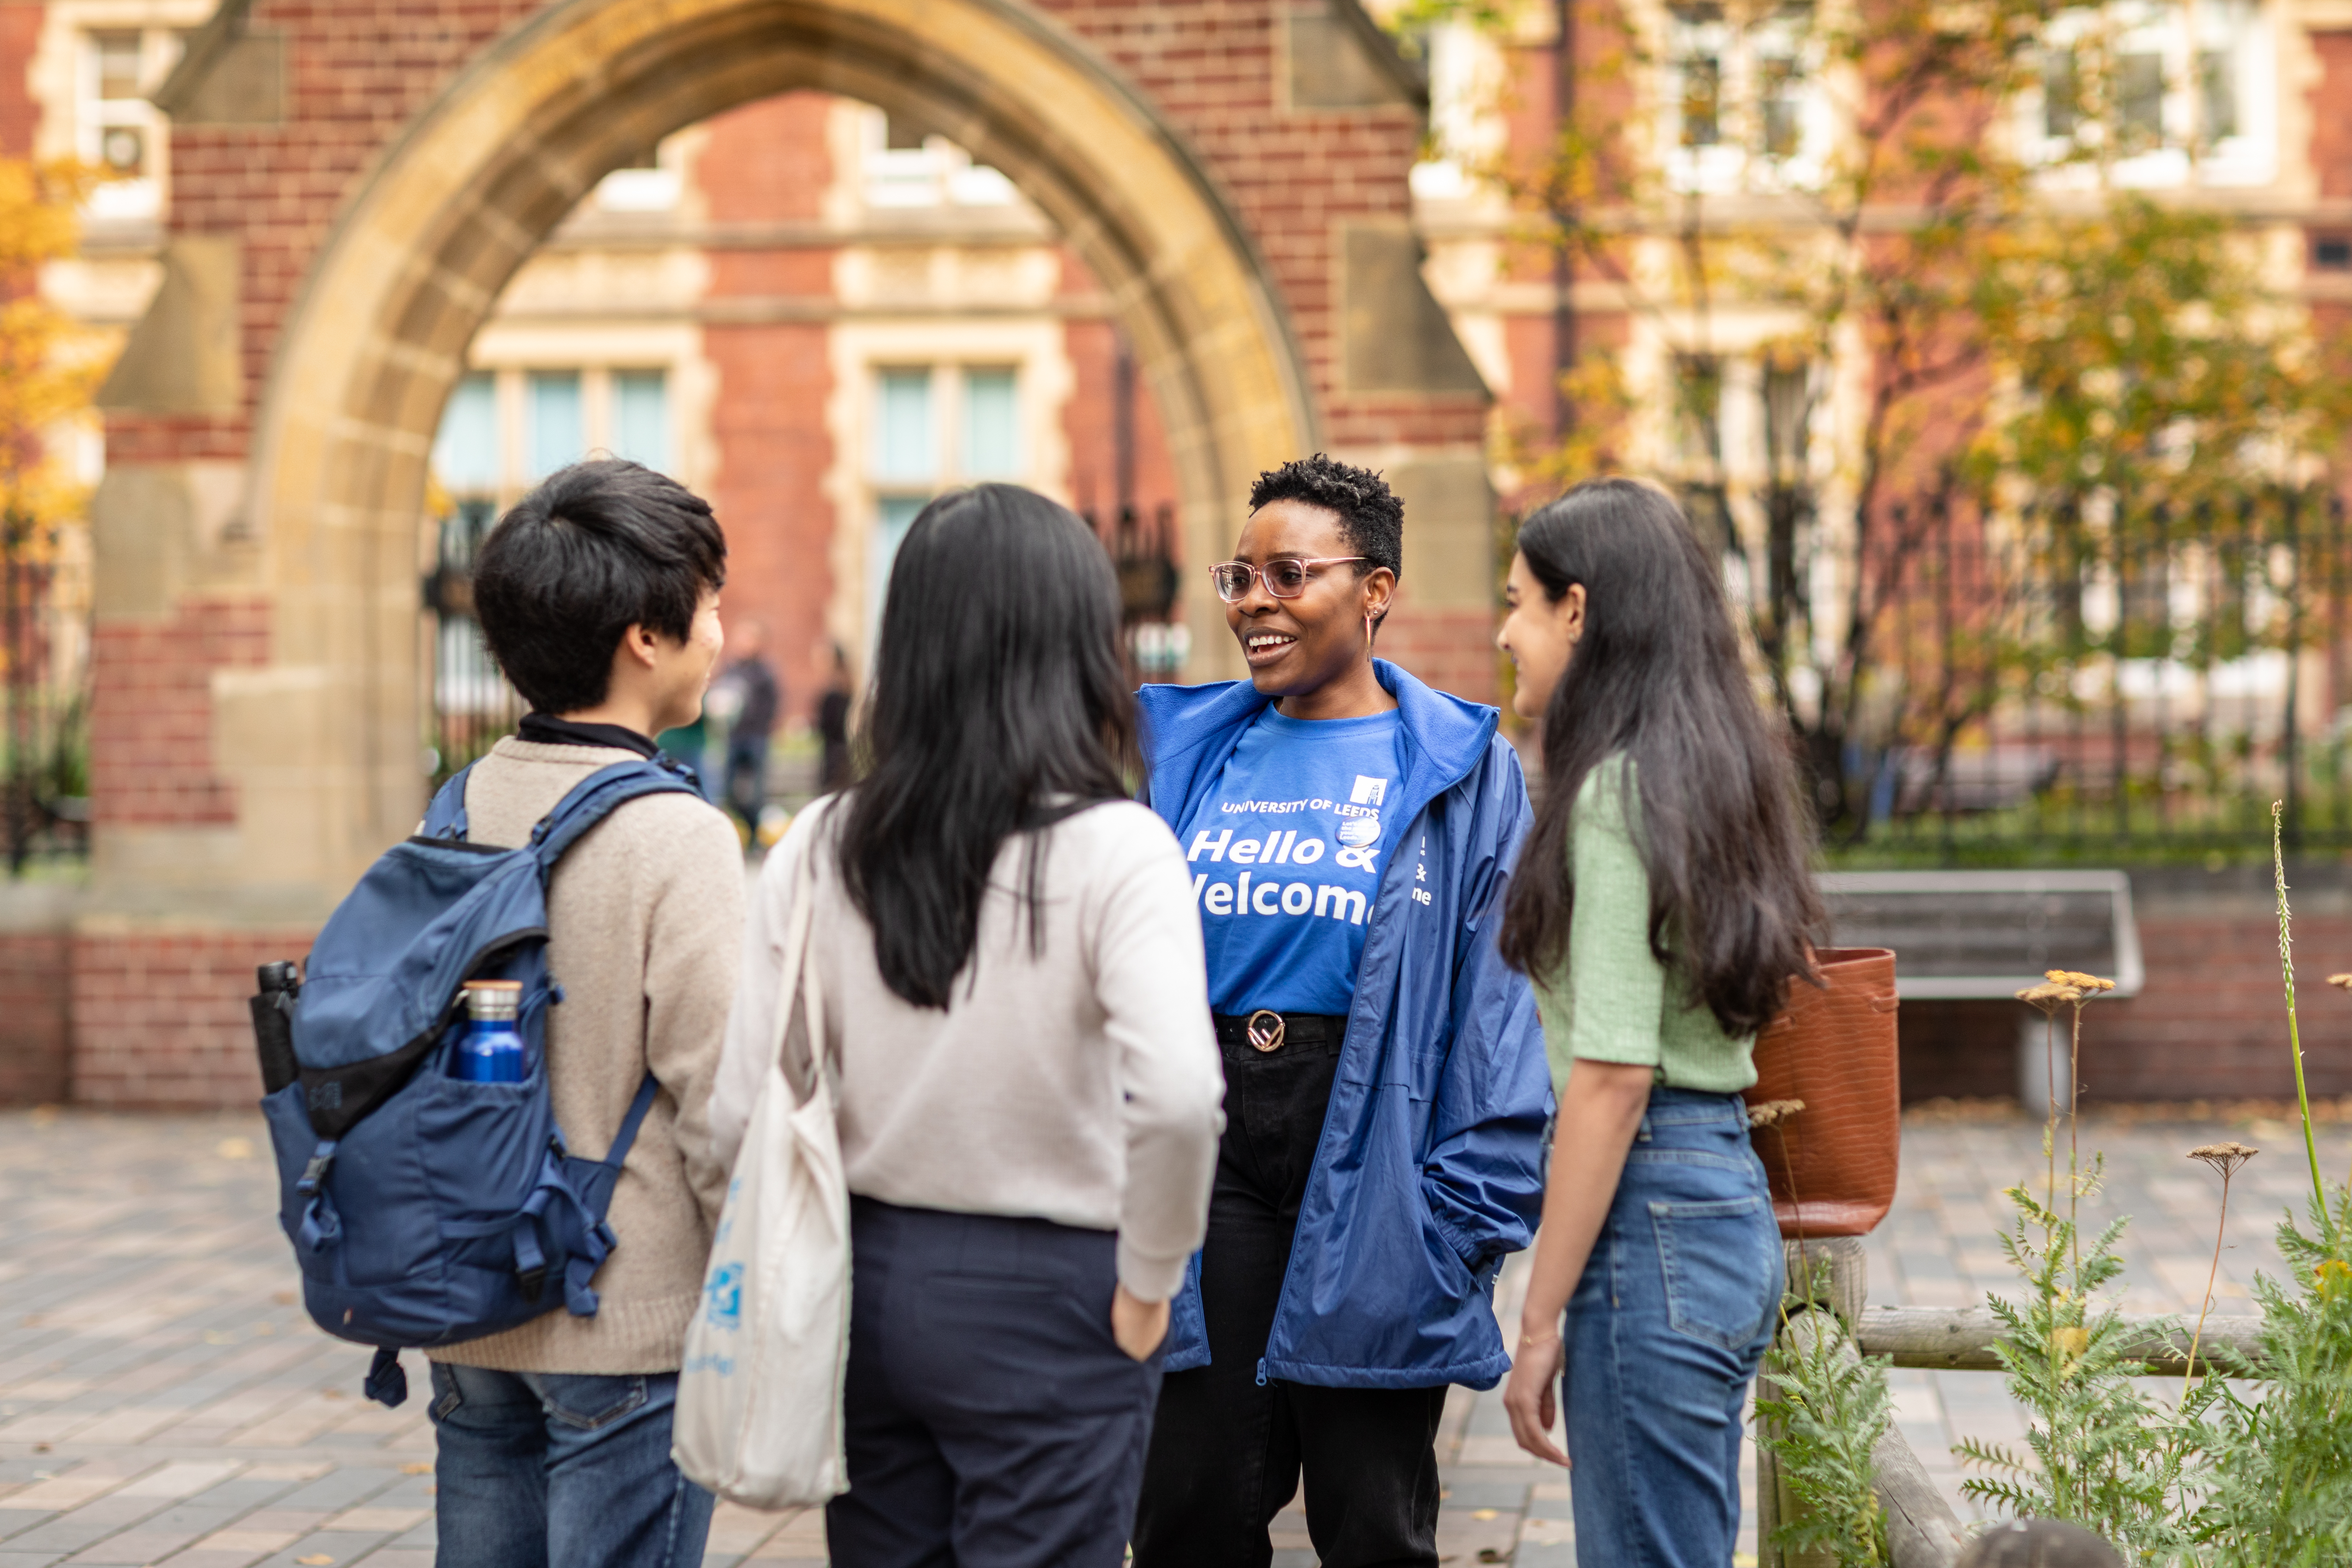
(832, 710)
(691, 744)
(747, 693)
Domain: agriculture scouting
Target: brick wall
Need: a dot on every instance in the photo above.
(1959, 1050)
(159, 1017)
(20, 30)
(2210, 1022)
(356, 72)
(768, 163)
(2331, 129)
(36, 1042)
(1453, 650)
(1217, 70)
(357, 69)
(151, 718)
(1089, 421)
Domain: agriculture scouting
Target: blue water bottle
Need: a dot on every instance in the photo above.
(491, 1051)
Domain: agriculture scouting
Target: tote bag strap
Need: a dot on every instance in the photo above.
(799, 990)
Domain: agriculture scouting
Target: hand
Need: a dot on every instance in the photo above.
(1530, 1398)
(1138, 1325)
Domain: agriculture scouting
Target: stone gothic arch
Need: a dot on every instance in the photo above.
(321, 743)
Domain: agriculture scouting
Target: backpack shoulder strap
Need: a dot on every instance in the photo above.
(631, 1123)
(445, 817)
(594, 798)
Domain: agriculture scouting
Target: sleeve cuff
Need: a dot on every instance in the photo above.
(1151, 1279)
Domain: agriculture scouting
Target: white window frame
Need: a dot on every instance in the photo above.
(653, 188)
(511, 401)
(951, 468)
(2243, 29)
(939, 174)
(1743, 52)
(133, 200)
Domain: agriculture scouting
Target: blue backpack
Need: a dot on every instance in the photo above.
(426, 1209)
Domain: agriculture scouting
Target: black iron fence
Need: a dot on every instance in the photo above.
(45, 791)
(2090, 681)
(1143, 552)
(470, 705)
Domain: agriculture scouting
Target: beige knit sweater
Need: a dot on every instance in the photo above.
(644, 934)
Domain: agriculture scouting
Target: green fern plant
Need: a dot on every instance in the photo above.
(1820, 1410)
(2100, 1453)
(2278, 1469)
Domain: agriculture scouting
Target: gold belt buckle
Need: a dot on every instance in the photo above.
(1265, 1029)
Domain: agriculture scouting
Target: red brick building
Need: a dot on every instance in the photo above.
(378, 265)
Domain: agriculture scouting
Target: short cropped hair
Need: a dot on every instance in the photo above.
(598, 548)
(1372, 518)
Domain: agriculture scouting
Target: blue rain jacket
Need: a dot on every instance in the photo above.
(1431, 1168)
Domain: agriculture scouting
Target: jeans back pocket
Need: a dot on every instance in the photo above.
(1722, 1265)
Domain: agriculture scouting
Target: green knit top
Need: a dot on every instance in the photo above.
(1613, 1001)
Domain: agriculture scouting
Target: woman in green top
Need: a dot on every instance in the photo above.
(1662, 903)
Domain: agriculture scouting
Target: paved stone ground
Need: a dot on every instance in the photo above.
(163, 1401)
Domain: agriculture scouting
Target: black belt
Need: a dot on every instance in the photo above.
(1274, 1031)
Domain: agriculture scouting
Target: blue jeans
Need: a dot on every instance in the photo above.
(538, 1470)
(1663, 1335)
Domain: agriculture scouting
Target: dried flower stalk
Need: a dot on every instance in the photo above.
(2047, 998)
(2225, 1158)
(2064, 988)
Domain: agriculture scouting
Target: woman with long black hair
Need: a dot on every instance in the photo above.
(1029, 1089)
(1663, 902)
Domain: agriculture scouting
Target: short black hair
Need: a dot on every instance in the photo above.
(597, 548)
(1372, 518)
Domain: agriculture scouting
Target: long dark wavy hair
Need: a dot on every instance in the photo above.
(1657, 676)
(999, 705)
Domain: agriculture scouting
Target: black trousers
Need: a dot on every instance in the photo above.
(1227, 1452)
(993, 1421)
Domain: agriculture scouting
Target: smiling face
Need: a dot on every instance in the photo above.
(1299, 646)
(1539, 633)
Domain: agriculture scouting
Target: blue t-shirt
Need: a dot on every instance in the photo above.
(1286, 852)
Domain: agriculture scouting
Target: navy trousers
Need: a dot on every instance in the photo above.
(992, 1420)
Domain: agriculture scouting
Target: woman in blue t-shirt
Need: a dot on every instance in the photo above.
(1348, 831)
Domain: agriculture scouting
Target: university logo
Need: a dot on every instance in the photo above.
(723, 1297)
(1369, 791)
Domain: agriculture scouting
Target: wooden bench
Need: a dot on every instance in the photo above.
(1987, 935)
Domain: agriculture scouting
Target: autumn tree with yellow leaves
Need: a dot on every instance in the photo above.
(49, 371)
(47, 376)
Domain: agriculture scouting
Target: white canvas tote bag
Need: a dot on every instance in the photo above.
(759, 1416)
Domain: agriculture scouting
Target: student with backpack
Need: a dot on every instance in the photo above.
(598, 596)
(1348, 833)
(1014, 1011)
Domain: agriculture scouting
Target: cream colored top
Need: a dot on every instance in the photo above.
(1079, 1084)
